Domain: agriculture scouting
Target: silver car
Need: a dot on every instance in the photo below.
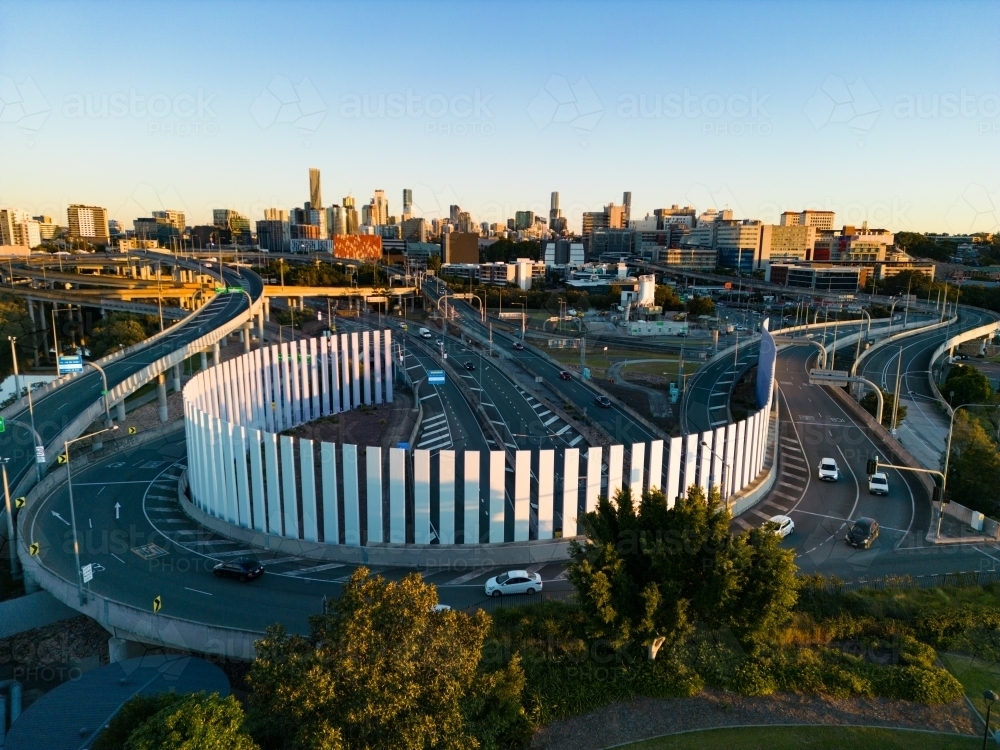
(828, 470)
(514, 582)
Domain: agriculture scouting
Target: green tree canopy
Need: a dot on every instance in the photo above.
(966, 385)
(133, 714)
(701, 306)
(667, 298)
(379, 669)
(648, 572)
(974, 467)
(120, 330)
(193, 722)
(870, 404)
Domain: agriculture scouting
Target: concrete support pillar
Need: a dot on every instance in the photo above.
(31, 313)
(30, 584)
(246, 337)
(120, 649)
(44, 316)
(120, 411)
(224, 341)
(216, 354)
(176, 372)
(260, 325)
(267, 310)
(161, 395)
(204, 360)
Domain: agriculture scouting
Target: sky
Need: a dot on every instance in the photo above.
(884, 112)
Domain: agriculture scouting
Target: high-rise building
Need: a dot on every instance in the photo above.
(453, 212)
(275, 214)
(819, 219)
(407, 203)
(627, 205)
(226, 218)
(786, 243)
(524, 219)
(737, 242)
(315, 194)
(554, 212)
(686, 216)
(88, 223)
(173, 218)
(414, 230)
(19, 229)
(350, 216)
(335, 220)
(48, 228)
(460, 247)
(274, 232)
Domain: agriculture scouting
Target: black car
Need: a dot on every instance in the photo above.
(243, 568)
(862, 533)
(470, 365)
(603, 401)
(518, 345)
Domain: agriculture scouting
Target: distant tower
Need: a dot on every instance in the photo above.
(315, 195)
(554, 212)
(407, 203)
(627, 202)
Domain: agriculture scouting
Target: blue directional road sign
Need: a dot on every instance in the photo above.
(435, 377)
(72, 363)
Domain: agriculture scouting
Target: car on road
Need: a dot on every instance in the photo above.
(878, 484)
(563, 375)
(862, 533)
(514, 582)
(603, 401)
(470, 366)
(425, 333)
(783, 525)
(441, 608)
(404, 326)
(828, 470)
(518, 346)
(243, 568)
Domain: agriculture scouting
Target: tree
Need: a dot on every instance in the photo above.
(118, 330)
(870, 404)
(974, 466)
(194, 722)
(701, 306)
(434, 263)
(130, 717)
(650, 574)
(966, 385)
(379, 669)
(667, 298)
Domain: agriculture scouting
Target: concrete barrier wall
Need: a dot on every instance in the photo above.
(244, 476)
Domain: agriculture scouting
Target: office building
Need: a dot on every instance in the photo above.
(315, 194)
(407, 203)
(786, 243)
(414, 229)
(627, 206)
(172, 218)
(737, 242)
(824, 278)
(350, 216)
(612, 244)
(274, 233)
(306, 232)
(453, 212)
(88, 223)
(336, 220)
(460, 247)
(524, 219)
(555, 214)
(234, 221)
(48, 229)
(562, 252)
(685, 216)
(818, 219)
(364, 247)
(612, 217)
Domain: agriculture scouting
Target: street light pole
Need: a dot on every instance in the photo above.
(11, 529)
(72, 507)
(723, 490)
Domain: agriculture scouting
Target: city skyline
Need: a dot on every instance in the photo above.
(896, 123)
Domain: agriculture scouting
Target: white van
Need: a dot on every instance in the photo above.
(425, 333)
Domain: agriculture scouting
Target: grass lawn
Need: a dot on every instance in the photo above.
(815, 738)
(976, 677)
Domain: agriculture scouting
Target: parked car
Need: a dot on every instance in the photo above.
(243, 568)
(862, 533)
(603, 401)
(470, 366)
(514, 582)
(878, 484)
(783, 525)
(828, 470)
(518, 346)
(563, 375)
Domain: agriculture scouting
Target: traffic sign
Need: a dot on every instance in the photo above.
(88, 573)
(158, 604)
(403, 446)
(73, 363)
(19, 502)
(132, 430)
(61, 459)
(33, 549)
(39, 454)
(829, 377)
(435, 377)
(3, 424)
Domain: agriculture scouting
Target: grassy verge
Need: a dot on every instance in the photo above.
(975, 675)
(815, 738)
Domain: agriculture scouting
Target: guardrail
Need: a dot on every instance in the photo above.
(974, 333)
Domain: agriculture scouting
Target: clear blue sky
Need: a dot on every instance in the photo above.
(563, 89)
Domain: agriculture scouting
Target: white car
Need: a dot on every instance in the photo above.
(785, 525)
(828, 470)
(878, 484)
(441, 608)
(514, 582)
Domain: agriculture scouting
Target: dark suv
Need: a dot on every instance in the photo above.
(862, 533)
(603, 401)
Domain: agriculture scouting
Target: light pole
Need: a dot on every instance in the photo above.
(72, 506)
(990, 697)
(159, 295)
(726, 468)
(104, 384)
(31, 408)
(11, 529)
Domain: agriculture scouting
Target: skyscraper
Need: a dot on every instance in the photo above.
(380, 208)
(350, 215)
(88, 222)
(407, 203)
(315, 195)
(226, 218)
(556, 222)
(627, 204)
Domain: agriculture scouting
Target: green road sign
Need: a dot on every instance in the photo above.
(3, 425)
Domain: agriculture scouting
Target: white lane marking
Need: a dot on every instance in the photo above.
(546, 424)
(562, 430)
(315, 569)
(188, 588)
(467, 577)
(575, 440)
(117, 558)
